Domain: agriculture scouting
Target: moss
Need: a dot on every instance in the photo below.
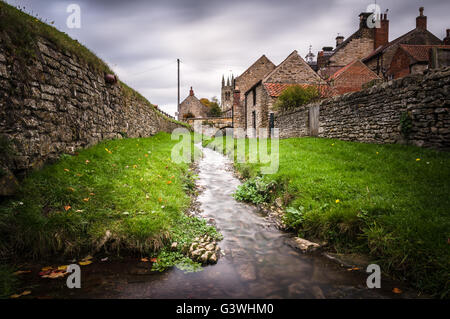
(24, 30)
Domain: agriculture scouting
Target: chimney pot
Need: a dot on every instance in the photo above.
(339, 40)
(447, 38)
(421, 20)
(191, 92)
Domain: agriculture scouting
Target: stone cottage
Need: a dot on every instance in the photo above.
(192, 107)
(233, 93)
(259, 99)
(351, 78)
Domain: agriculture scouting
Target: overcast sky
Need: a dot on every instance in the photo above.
(141, 39)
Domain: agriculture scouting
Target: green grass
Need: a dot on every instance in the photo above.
(129, 188)
(373, 199)
(23, 31)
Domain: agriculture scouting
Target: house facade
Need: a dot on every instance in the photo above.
(414, 59)
(191, 107)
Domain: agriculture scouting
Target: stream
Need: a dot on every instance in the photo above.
(258, 261)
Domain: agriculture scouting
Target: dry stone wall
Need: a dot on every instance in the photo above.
(57, 104)
(413, 110)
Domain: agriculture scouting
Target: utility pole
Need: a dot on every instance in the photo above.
(178, 104)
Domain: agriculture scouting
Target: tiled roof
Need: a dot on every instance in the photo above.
(342, 70)
(400, 39)
(362, 69)
(420, 52)
(275, 89)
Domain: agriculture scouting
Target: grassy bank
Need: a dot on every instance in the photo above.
(388, 201)
(120, 196)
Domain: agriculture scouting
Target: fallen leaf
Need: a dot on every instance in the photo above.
(397, 291)
(64, 267)
(104, 259)
(88, 257)
(67, 170)
(86, 199)
(92, 194)
(26, 292)
(153, 260)
(144, 259)
(71, 189)
(47, 268)
(67, 208)
(169, 182)
(85, 263)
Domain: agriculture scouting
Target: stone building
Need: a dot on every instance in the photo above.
(351, 78)
(414, 59)
(259, 99)
(226, 101)
(357, 46)
(192, 107)
(380, 59)
(238, 86)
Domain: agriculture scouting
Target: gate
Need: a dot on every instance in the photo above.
(314, 120)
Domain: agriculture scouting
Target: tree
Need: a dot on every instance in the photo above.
(295, 96)
(188, 115)
(214, 110)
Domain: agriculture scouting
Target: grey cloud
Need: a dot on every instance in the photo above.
(141, 40)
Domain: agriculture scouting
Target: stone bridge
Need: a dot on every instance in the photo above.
(211, 125)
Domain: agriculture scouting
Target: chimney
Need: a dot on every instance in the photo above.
(382, 33)
(421, 20)
(191, 92)
(447, 38)
(339, 40)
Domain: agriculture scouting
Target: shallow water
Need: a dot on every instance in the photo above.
(258, 262)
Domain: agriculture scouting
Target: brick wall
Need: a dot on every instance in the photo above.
(374, 115)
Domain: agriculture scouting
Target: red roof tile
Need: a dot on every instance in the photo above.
(420, 52)
(275, 89)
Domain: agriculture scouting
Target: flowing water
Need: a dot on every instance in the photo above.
(258, 261)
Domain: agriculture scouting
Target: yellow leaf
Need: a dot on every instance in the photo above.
(46, 268)
(84, 263)
(337, 201)
(88, 257)
(15, 296)
(64, 267)
(71, 189)
(67, 170)
(26, 292)
(397, 291)
(86, 199)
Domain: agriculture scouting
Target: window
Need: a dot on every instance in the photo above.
(254, 119)
(254, 96)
